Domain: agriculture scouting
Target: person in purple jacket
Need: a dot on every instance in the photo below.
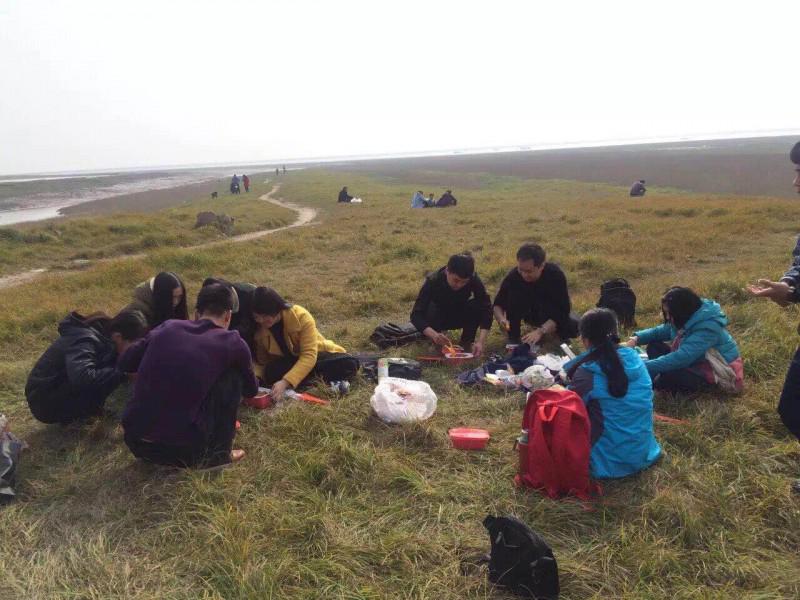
(190, 378)
(785, 292)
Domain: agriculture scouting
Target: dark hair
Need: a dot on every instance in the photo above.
(227, 284)
(599, 326)
(531, 251)
(267, 301)
(163, 284)
(641, 181)
(795, 154)
(462, 265)
(682, 303)
(130, 324)
(214, 300)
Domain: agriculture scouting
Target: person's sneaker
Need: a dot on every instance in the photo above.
(235, 456)
(795, 487)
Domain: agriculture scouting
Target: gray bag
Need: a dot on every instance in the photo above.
(10, 448)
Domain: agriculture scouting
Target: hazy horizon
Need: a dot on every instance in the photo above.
(98, 86)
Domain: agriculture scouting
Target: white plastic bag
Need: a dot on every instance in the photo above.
(402, 400)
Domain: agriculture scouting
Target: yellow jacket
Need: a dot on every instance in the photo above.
(302, 339)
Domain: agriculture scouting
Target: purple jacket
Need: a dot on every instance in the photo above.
(176, 365)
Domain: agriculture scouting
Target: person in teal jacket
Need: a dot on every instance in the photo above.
(616, 387)
(692, 326)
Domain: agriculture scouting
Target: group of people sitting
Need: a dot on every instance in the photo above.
(419, 200)
(684, 354)
(189, 375)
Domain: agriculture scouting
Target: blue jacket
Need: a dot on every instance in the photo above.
(626, 443)
(418, 201)
(703, 331)
(792, 276)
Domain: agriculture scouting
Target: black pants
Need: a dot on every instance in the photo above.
(789, 406)
(331, 366)
(467, 318)
(566, 330)
(65, 405)
(215, 431)
(679, 381)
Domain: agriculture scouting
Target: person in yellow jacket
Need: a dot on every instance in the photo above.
(289, 350)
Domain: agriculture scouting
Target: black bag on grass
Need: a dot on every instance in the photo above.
(520, 559)
(404, 368)
(388, 335)
(617, 295)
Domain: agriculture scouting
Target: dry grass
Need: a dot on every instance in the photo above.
(331, 503)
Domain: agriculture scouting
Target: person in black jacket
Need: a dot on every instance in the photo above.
(344, 196)
(454, 297)
(638, 189)
(535, 292)
(785, 292)
(446, 200)
(75, 375)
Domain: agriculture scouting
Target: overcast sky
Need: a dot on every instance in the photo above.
(96, 84)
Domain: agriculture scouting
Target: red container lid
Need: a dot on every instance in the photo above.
(467, 438)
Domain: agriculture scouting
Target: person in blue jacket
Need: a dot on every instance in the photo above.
(693, 326)
(616, 387)
(418, 200)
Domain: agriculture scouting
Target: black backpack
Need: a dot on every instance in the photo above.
(387, 335)
(617, 295)
(520, 559)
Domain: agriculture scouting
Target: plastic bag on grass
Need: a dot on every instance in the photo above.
(10, 448)
(402, 400)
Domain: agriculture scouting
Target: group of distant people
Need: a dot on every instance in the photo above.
(419, 200)
(235, 188)
(190, 374)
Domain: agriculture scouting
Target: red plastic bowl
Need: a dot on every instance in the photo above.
(260, 401)
(466, 438)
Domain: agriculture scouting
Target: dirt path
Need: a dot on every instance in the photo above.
(305, 216)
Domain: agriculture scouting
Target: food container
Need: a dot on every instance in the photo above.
(467, 438)
(260, 401)
(455, 358)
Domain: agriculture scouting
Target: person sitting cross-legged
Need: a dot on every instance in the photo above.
(190, 379)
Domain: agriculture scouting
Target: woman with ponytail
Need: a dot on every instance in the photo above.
(161, 298)
(618, 392)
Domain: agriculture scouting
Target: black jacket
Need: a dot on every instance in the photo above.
(446, 200)
(436, 290)
(545, 298)
(344, 196)
(80, 364)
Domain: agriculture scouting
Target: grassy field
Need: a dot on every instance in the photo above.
(331, 503)
(58, 243)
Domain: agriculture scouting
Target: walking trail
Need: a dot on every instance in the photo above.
(305, 216)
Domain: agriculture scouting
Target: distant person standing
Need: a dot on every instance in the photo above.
(344, 196)
(284, 169)
(235, 184)
(246, 183)
(638, 189)
(447, 199)
(277, 172)
(785, 292)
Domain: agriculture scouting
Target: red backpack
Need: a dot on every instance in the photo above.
(555, 459)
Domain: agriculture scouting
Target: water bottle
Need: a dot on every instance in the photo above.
(383, 368)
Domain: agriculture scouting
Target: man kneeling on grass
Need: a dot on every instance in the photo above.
(454, 298)
(191, 376)
(535, 291)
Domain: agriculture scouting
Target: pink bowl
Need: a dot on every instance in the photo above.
(467, 438)
(260, 401)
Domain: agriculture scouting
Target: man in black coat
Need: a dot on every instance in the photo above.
(75, 375)
(454, 297)
(344, 196)
(535, 292)
(447, 199)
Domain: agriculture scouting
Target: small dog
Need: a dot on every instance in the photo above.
(213, 194)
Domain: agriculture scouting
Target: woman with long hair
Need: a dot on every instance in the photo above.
(692, 350)
(161, 298)
(613, 382)
(289, 350)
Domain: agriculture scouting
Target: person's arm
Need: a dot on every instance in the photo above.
(692, 349)
(132, 357)
(243, 362)
(557, 305)
(582, 383)
(500, 305)
(82, 369)
(660, 333)
(307, 357)
(419, 312)
(786, 290)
